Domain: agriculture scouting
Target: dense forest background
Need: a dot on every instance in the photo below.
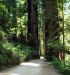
(33, 28)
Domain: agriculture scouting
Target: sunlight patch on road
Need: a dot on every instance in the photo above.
(8, 74)
(30, 64)
(41, 57)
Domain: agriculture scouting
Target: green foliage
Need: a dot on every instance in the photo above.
(55, 44)
(2, 34)
(15, 15)
(12, 53)
(67, 25)
(62, 67)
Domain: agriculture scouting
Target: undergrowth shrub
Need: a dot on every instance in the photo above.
(62, 67)
(14, 53)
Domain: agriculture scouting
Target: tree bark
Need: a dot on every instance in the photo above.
(51, 24)
(32, 24)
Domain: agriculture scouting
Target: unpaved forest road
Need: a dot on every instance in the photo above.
(33, 67)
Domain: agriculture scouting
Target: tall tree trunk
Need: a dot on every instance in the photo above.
(4, 19)
(14, 14)
(32, 24)
(51, 24)
(41, 28)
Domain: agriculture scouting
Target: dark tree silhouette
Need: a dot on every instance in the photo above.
(32, 24)
(51, 24)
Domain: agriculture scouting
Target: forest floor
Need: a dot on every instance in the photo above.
(33, 67)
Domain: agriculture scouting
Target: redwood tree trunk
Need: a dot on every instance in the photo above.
(51, 25)
(32, 24)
